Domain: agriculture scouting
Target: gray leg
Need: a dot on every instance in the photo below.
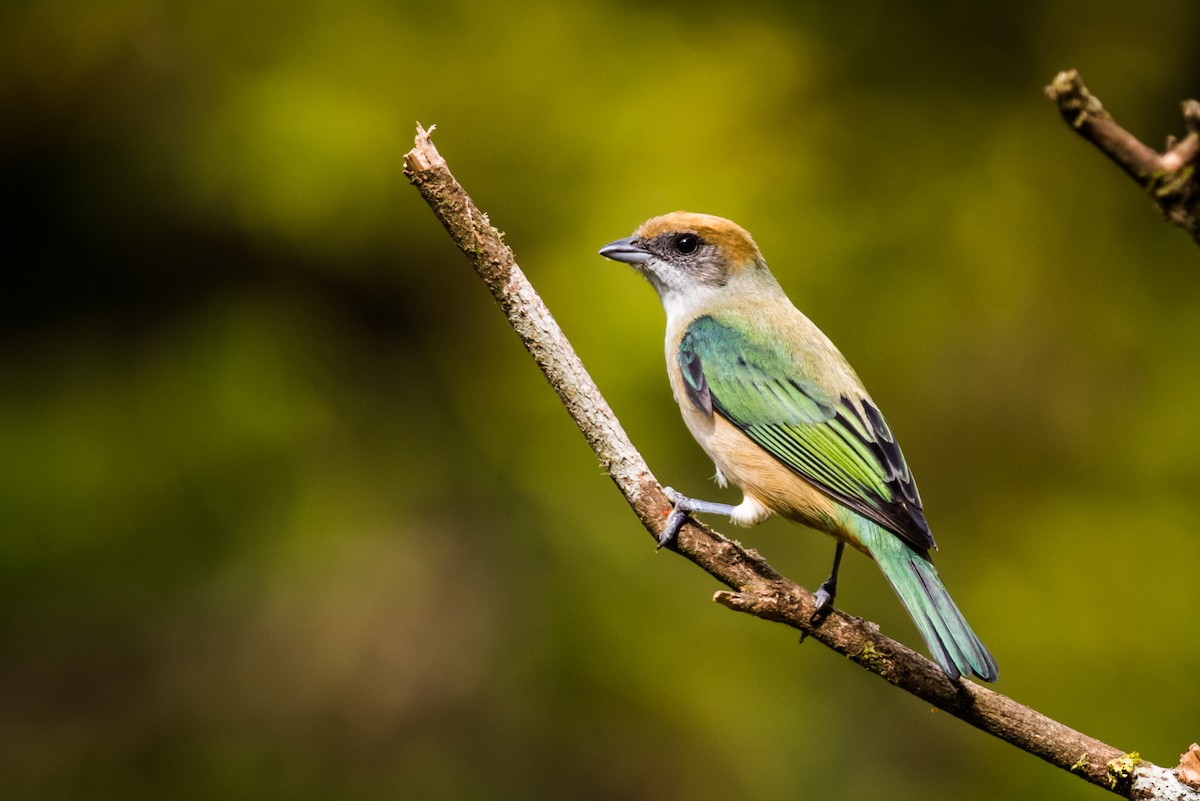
(684, 506)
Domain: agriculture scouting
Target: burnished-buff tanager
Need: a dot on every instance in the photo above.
(784, 417)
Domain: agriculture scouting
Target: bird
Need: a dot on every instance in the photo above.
(785, 419)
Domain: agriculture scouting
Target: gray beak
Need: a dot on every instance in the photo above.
(626, 250)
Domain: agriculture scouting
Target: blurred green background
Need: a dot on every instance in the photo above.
(289, 513)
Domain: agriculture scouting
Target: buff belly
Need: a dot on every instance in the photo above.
(767, 484)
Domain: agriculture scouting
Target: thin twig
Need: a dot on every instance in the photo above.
(756, 588)
(1170, 177)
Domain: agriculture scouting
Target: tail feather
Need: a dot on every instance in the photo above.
(949, 638)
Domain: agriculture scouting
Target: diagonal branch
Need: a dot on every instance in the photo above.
(756, 588)
(1170, 178)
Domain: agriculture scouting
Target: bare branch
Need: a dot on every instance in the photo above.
(1170, 178)
(757, 588)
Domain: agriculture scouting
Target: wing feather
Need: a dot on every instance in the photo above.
(841, 445)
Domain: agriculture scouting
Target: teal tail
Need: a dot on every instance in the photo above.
(950, 640)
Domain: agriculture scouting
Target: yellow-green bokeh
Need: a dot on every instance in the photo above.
(290, 513)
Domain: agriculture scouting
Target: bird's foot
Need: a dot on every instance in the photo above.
(825, 594)
(823, 598)
(675, 520)
(683, 507)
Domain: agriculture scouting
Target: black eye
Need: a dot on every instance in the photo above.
(687, 243)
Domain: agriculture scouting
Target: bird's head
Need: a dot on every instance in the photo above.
(689, 257)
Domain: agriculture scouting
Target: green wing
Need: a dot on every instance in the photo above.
(844, 449)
